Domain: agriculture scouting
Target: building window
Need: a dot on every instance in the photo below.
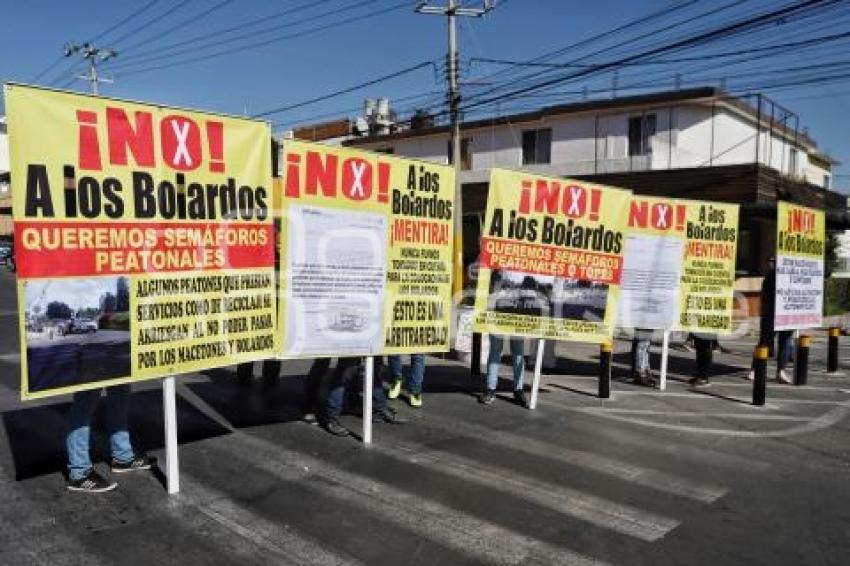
(465, 153)
(641, 130)
(792, 161)
(537, 146)
(826, 182)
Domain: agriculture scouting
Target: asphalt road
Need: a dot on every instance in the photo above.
(677, 477)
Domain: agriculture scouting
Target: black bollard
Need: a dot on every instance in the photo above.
(832, 351)
(801, 360)
(760, 382)
(475, 361)
(605, 370)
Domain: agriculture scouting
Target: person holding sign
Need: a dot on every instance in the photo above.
(81, 474)
(766, 327)
(494, 361)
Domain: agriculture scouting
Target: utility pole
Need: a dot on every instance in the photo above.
(93, 55)
(452, 10)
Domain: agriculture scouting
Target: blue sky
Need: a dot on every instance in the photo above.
(364, 40)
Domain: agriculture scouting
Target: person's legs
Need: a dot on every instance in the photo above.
(379, 397)
(313, 388)
(704, 356)
(518, 362)
(396, 375)
(271, 371)
(77, 441)
(117, 412)
(417, 373)
(336, 391)
(494, 361)
(245, 372)
(783, 355)
(642, 355)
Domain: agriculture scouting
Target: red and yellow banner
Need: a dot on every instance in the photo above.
(551, 258)
(143, 236)
(366, 242)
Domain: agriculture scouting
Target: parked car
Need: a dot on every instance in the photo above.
(7, 253)
(83, 325)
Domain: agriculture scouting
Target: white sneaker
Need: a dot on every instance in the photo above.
(782, 377)
(751, 375)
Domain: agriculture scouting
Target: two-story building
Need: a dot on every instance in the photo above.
(697, 143)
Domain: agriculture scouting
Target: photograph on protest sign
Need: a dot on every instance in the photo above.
(707, 280)
(143, 238)
(366, 243)
(77, 331)
(800, 249)
(551, 258)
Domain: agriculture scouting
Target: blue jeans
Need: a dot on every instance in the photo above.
(344, 373)
(417, 371)
(640, 349)
(494, 361)
(79, 428)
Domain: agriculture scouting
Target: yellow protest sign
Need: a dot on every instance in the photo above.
(800, 248)
(143, 237)
(551, 258)
(708, 269)
(366, 242)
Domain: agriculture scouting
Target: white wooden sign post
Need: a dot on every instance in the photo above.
(535, 383)
(665, 352)
(172, 463)
(368, 381)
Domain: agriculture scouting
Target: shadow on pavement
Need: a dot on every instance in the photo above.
(37, 435)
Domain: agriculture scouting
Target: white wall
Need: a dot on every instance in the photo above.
(689, 135)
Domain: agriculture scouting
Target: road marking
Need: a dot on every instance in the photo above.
(697, 414)
(601, 512)
(16, 357)
(452, 528)
(282, 542)
(618, 469)
(826, 420)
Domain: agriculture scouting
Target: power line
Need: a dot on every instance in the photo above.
(214, 39)
(257, 45)
(190, 20)
(150, 22)
(345, 90)
(110, 29)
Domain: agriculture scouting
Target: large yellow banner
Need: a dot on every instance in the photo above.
(143, 236)
(551, 258)
(679, 265)
(366, 242)
(800, 249)
(708, 269)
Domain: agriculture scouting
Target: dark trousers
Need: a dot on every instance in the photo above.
(271, 370)
(768, 337)
(705, 355)
(345, 377)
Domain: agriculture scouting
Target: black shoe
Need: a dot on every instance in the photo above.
(488, 397)
(334, 427)
(387, 415)
(92, 482)
(699, 381)
(519, 397)
(136, 464)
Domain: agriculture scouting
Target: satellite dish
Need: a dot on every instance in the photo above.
(361, 126)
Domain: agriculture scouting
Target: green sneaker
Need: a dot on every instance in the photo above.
(415, 400)
(395, 390)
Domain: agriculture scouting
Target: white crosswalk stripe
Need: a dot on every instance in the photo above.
(432, 520)
(612, 467)
(282, 544)
(618, 517)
